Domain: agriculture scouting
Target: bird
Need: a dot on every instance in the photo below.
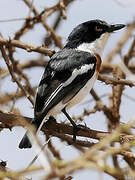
(70, 73)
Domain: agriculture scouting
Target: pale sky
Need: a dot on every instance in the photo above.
(111, 11)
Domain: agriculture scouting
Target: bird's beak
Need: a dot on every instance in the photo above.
(115, 27)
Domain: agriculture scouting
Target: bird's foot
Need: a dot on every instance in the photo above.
(50, 121)
(77, 128)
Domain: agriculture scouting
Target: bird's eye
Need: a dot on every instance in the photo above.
(98, 29)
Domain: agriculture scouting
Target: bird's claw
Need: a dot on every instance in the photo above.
(76, 129)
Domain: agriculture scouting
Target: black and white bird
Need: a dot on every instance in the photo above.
(71, 72)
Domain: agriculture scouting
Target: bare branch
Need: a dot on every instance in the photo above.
(27, 47)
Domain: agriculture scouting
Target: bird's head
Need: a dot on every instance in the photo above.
(91, 35)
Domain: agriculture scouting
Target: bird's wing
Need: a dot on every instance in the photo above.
(66, 73)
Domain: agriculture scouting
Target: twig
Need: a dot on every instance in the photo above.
(41, 153)
(129, 55)
(58, 129)
(13, 76)
(121, 43)
(12, 120)
(12, 20)
(6, 98)
(115, 81)
(35, 158)
(116, 95)
(56, 38)
(27, 47)
(24, 65)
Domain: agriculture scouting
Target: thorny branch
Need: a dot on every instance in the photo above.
(94, 146)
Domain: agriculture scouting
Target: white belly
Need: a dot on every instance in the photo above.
(82, 93)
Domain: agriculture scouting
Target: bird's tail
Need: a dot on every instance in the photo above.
(25, 142)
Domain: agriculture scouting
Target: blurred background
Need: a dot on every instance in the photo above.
(12, 18)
